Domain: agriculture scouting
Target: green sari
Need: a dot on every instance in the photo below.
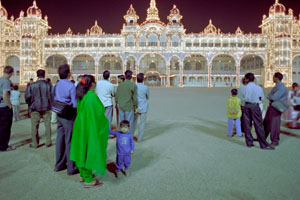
(90, 134)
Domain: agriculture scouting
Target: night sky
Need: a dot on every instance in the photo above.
(81, 14)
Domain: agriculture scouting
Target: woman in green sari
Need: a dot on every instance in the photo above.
(90, 133)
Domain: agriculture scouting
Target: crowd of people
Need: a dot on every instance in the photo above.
(245, 109)
(83, 111)
(83, 114)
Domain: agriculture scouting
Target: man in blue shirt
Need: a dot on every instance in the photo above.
(65, 92)
(273, 117)
(143, 106)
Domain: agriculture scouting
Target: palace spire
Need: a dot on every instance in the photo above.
(152, 12)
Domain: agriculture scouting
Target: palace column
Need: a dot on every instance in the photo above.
(181, 74)
(238, 73)
(209, 65)
(97, 63)
(168, 74)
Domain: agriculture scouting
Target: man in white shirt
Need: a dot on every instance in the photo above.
(105, 91)
(143, 106)
(252, 113)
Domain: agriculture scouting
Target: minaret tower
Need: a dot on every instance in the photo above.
(33, 30)
(131, 17)
(152, 12)
(277, 26)
(3, 22)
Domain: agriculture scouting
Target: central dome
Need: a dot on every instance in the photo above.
(277, 8)
(34, 11)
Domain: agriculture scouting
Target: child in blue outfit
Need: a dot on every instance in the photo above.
(125, 146)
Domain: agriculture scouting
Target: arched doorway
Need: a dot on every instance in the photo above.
(111, 62)
(296, 70)
(253, 64)
(197, 65)
(52, 64)
(14, 61)
(83, 64)
(154, 67)
(223, 66)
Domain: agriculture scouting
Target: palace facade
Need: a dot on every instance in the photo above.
(163, 51)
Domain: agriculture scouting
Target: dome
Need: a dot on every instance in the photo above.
(96, 30)
(277, 8)
(175, 10)
(210, 29)
(34, 10)
(3, 12)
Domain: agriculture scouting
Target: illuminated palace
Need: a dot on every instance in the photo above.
(164, 52)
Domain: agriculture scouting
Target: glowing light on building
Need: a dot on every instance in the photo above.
(163, 51)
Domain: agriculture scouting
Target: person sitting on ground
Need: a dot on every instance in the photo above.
(125, 147)
(234, 113)
(15, 101)
(90, 133)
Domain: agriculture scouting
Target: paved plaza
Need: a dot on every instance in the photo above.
(186, 155)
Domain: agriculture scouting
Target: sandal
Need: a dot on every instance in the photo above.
(95, 183)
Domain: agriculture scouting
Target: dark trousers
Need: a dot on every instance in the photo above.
(242, 120)
(272, 124)
(63, 145)
(6, 118)
(252, 113)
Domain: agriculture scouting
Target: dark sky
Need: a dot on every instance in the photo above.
(81, 14)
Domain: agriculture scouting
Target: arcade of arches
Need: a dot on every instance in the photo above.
(194, 68)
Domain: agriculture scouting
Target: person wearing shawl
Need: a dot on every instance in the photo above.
(90, 133)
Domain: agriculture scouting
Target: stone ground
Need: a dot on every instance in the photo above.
(186, 155)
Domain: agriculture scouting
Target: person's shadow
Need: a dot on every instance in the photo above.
(216, 129)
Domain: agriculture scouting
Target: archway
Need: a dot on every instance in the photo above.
(83, 64)
(196, 64)
(296, 70)
(154, 65)
(53, 62)
(14, 61)
(111, 62)
(223, 66)
(253, 64)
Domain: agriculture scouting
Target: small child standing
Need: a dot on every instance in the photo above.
(15, 101)
(125, 146)
(234, 113)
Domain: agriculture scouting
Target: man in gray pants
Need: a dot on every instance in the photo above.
(105, 91)
(143, 106)
(273, 117)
